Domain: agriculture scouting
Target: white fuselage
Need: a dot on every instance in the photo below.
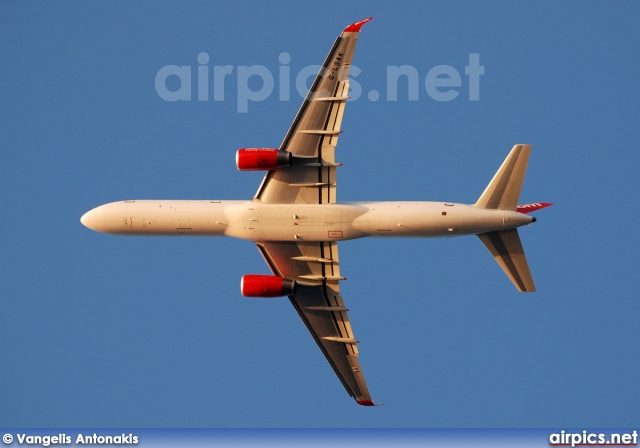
(256, 221)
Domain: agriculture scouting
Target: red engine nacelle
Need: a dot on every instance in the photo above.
(256, 159)
(266, 286)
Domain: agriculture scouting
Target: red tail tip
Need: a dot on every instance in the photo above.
(355, 27)
(528, 208)
(365, 402)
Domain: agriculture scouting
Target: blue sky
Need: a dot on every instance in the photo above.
(106, 331)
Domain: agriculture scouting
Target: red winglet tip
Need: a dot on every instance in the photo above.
(355, 27)
(368, 403)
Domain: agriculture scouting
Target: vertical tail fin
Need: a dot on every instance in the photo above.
(503, 193)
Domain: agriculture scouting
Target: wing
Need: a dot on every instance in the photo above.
(311, 179)
(316, 269)
(313, 136)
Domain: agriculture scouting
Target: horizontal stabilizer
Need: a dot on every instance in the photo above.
(506, 248)
(503, 191)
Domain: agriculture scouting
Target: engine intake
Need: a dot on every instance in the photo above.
(266, 286)
(256, 159)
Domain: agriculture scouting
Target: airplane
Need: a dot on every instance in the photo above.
(296, 222)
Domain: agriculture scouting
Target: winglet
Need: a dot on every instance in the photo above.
(355, 27)
(368, 403)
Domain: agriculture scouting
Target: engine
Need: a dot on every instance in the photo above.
(255, 159)
(266, 286)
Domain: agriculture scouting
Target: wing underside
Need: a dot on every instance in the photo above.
(311, 179)
(316, 269)
(313, 135)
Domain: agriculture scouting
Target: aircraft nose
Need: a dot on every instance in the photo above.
(91, 220)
